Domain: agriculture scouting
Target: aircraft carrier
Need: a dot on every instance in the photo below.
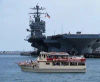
(72, 43)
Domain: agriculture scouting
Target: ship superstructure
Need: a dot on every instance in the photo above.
(72, 43)
(37, 26)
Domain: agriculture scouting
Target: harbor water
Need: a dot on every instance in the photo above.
(11, 72)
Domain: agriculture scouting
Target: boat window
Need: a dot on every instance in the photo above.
(56, 63)
(53, 63)
(64, 63)
(73, 63)
(81, 63)
(44, 56)
(52, 56)
(62, 56)
(47, 63)
(56, 56)
(48, 56)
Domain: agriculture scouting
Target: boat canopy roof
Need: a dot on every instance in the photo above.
(55, 53)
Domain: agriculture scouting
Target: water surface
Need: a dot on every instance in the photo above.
(10, 72)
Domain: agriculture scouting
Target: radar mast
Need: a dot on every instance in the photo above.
(38, 26)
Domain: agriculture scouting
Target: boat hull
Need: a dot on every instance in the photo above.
(31, 69)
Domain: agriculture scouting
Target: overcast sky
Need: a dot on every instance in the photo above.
(66, 16)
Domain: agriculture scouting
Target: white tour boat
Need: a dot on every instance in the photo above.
(55, 62)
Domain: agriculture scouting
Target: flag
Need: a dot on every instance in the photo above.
(48, 15)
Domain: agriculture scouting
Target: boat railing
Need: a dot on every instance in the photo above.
(74, 59)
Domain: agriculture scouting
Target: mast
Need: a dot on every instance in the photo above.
(38, 26)
(37, 13)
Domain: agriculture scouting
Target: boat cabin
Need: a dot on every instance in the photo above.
(53, 55)
(59, 59)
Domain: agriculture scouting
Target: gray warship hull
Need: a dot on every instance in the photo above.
(73, 43)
